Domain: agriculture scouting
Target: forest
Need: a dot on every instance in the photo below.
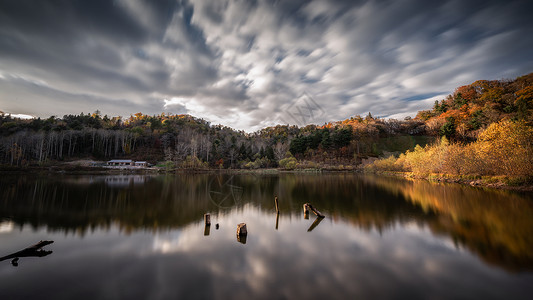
(481, 128)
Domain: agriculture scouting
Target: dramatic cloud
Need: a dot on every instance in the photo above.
(247, 64)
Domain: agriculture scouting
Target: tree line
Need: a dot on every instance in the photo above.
(189, 142)
(185, 141)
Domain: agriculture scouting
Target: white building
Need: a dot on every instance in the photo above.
(120, 162)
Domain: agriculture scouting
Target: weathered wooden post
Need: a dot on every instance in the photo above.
(277, 206)
(306, 211)
(207, 227)
(242, 233)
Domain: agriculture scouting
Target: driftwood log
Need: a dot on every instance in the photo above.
(32, 251)
(314, 210)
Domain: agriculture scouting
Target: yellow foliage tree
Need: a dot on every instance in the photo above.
(506, 148)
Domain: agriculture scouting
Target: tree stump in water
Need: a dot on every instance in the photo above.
(277, 206)
(241, 239)
(306, 211)
(241, 229)
(242, 232)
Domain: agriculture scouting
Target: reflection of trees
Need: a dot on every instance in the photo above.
(349, 198)
(495, 225)
(76, 204)
(162, 202)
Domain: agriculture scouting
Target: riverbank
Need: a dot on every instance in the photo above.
(88, 166)
(496, 182)
(80, 170)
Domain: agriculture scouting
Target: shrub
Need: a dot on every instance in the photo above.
(504, 148)
(288, 163)
(193, 162)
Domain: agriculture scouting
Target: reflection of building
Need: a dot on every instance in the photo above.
(124, 181)
(6, 226)
(126, 163)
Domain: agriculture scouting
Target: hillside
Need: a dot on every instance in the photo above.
(471, 108)
(486, 130)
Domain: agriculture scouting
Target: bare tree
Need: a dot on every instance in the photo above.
(280, 149)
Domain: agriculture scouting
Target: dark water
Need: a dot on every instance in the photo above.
(143, 237)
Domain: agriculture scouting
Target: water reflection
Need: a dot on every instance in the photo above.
(496, 225)
(315, 223)
(148, 237)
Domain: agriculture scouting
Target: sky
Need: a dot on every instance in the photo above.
(253, 64)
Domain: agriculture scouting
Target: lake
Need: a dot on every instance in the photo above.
(143, 237)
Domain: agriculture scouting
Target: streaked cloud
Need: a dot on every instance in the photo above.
(241, 63)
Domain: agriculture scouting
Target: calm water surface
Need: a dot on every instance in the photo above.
(143, 237)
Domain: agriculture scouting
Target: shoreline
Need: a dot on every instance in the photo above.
(493, 182)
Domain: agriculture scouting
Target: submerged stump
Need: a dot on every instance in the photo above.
(241, 229)
(242, 233)
(306, 210)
